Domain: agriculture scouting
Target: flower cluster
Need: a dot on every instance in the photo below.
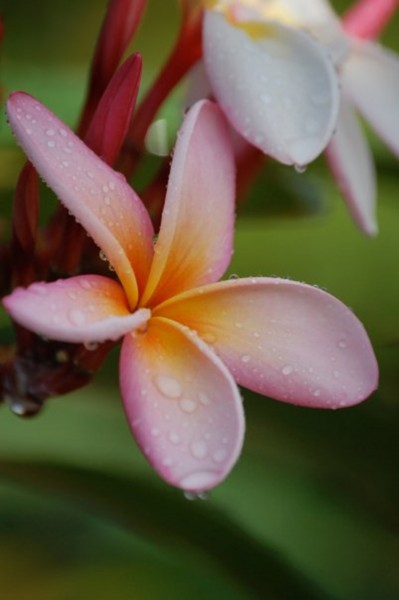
(188, 339)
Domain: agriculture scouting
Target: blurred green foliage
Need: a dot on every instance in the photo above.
(311, 508)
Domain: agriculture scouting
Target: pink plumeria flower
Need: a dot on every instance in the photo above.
(275, 65)
(187, 340)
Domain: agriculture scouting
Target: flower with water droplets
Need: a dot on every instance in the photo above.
(187, 338)
(288, 74)
(275, 82)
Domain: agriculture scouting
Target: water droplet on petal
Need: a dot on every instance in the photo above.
(174, 438)
(50, 132)
(300, 168)
(220, 455)
(287, 369)
(51, 144)
(342, 343)
(168, 386)
(91, 346)
(188, 405)
(204, 399)
(209, 338)
(77, 317)
(38, 288)
(198, 480)
(199, 449)
(245, 358)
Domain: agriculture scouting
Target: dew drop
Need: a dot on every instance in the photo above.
(316, 392)
(50, 132)
(51, 144)
(86, 285)
(37, 288)
(209, 338)
(300, 168)
(287, 369)
(245, 358)
(198, 480)
(77, 317)
(220, 455)
(63, 132)
(342, 343)
(91, 346)
(188, 405)
(102, 256)
(234, 276)
(191, 496)
(168, 386)
(155, 432)
(199, 449)
(174, 438)
(204, 399)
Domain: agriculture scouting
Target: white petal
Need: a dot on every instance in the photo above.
(276, 85)
(371, 78)
(352, 164)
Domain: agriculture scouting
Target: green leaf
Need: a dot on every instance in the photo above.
(163, 516)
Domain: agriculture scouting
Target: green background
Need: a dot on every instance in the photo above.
(311, 509)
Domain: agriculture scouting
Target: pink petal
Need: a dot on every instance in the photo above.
(352, 164)
(275, 84)
(195, 239)
(286, 340)
(370, 77)
(97, 196)
(182, 404)
(83, 309)
(366, 18)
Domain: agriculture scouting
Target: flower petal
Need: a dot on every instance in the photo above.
(366, 18)
(370, 77)
(276, 85)
(182, 404)
(195, 239)
(315, 16)
(97, 196)
(83, 309)
(352, 164)
(284, 339)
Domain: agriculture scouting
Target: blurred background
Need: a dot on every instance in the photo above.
(311, 509)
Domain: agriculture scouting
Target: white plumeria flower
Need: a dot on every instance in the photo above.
(288, 77)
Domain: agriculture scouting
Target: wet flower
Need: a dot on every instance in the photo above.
(187, 339)
(276, 66)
